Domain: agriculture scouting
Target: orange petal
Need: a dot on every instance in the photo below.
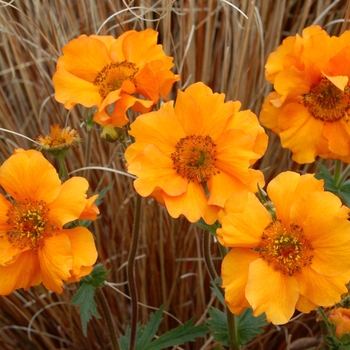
(243, 220)
(321, 290)
(271, 292)
(85, 57)
(83, 249)
(270, 113)
(340, 81)
(153, 170)
(23, 273)
(223, 185)
(234, 274)
(28, 175)
(4, 207)
(325, 225)
(338, 136)
(305, 305)
(70, 202)
(56, 261)
(301, 133)
(71, 90)
(193, 204)
(91, 210)
(284, 196)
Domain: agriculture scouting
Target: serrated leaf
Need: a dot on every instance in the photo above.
(218, 325)
(344, 194)
(124, 340)
(84, 298)
(179, 335)
(150, 329)
(96, 277)
(249, 326)
(103, 192)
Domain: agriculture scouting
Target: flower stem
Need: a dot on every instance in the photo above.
(231, 319)
(131, 271)
(108, 318)
(63, 173)
(88, 152)
(337, 171)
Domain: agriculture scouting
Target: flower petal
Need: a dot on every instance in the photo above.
(28, 175)
(56, 261)
(271, 292)
(193, 204)
(69, 203)
(243, 221)
(321, 290)
(24, 272)
(234, 273)
(83, 249)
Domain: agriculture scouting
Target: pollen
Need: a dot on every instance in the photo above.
(327, 102)
(112, 76)
(194, 158)
(28, 224)
(287, 251)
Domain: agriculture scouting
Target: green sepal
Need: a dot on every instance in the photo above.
(211, 228)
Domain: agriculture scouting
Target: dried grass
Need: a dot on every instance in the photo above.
(210, 41)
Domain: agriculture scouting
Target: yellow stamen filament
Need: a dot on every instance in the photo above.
(288, 251)
(28, 224)
(327, 102)
(194, 158)
(112, 76)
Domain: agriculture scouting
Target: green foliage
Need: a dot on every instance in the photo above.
(179, 335)
(342, 189)
(84, 297)
(248, 326)
(211, 228)
(339, 344)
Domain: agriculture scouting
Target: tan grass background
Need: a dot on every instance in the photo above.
(211, 42)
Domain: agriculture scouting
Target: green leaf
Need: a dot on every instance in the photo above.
(179, 335)
(103, 192)
(249, 326)
(84, 297)
(325, 175)
(211, 228)
(150, 329)
(218, 325)
(124, 340)
(87, 306)
(344, 194)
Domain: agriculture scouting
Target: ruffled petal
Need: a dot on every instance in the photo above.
(271, 292)
(154, 169)
(321, 290)
(305, 305)
(56, 261)
(284, 196)
(234, 273)
(193, 204)
(24, 272)
(83, 249)
(338, 136)
(243, 221)
(70, 202)
(28, 175)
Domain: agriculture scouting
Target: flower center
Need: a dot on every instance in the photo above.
(287, 251)
(327, 102)
(28, 224)
(111, 77)
(194, 158)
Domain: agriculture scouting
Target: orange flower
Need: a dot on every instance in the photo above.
(194, 155)
(341, 318)
(34, 246)
(310, 105)
(101, 71)
(298, 261)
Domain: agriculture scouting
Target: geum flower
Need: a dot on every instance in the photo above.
(35, 246)
(341, 318)
(309, 108)
(194, 155)
(300, 260)
(103, 71)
